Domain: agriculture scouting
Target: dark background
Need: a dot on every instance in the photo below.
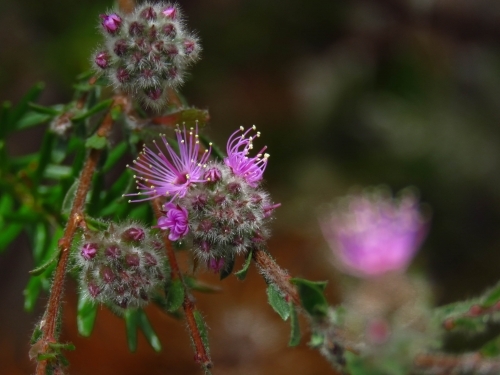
(353, 92)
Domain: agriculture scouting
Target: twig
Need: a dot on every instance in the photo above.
(201, 354)
(276, 275)
(49, 324)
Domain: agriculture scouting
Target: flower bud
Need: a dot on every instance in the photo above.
(135, 29)
(213, 174)
(120, 47)
(133, 235)
(170, 12)
(102, 60)
(89, 251)
(111, 22)
(148, 13)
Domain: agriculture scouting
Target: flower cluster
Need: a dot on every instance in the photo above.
(373, 233)
(121, 266)
(147, 51)
(218, 207)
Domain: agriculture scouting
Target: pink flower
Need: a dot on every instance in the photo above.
(111, 22)
(375, 234)
(170, 174)
(238, 148)
(176, 220)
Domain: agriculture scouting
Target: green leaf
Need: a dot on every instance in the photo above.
(69, 198)
(317, 339)
(200, 286)
(295, 328)
(8, 234)
(242, 274)
(45, 356)
(114, 156)
(311, 296)
(175, 295)
(45, 156)
(202, 327)
(44, 110)
(31, 119)
(95, 109)
(57, 172)
(37, 334)
(116, 112)
(131, 323)
(96, 141)
(85, 317)
(228, 268)
(492, 297)
(22, 107)
(277, 302)
(31, 293)
(59, 346)
(148, 331)
(39, 270)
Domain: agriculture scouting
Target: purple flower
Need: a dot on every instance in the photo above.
(375, 234)
(268, 210)
(89, 251)
(102, 60)
(176, 220)
(238, 148)
(111, 22)
(159, 175)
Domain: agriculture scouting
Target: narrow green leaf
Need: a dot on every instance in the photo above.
(317, 339)
(31, 119)
(57, 172)
(92, 111)
(45, 156)
(21, 108)
(37, 334)
(200, 286)
(9, 234)
(242, 274)
(39, 270)
(295, 328)
(96, 141)
(83, 86)
(116, 112)
(311, 296)
(175, 295)
(64, 361)
(148, 331)
(85, 317)
(277, 302)
(59, 346)
(114, 156)
(45, 356)
(44, 110)
(202, 327)
(31, 293)
(131, 323)
(228, 268)
(85, 75)
(69, 198)
(492, 297)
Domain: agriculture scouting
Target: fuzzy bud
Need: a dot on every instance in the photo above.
(102, 60)
(170, 12)
(111, 22)
(133, 235)
(89, 251)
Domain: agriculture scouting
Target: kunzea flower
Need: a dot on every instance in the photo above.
(170, 174)
(375, 234)
(238, 148)
(111, 22)
(175, 220)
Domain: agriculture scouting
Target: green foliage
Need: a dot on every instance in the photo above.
(311, 296)
(242, 274)
(277, 302)
(295, 328)
(86, 315)
(175, 295)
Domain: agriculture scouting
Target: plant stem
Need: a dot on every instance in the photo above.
(276, 275)
(188, 305)
(49, 325)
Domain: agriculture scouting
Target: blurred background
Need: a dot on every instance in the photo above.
(346, 93)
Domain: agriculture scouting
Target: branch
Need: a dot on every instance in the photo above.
(188, 305)
(49, 323)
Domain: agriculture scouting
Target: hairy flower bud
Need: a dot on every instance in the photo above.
(111, 23)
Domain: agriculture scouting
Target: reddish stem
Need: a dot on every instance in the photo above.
(76, 215)
(201, 354)
(276, 275)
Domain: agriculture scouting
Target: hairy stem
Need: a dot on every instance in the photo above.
(276, 275)
(188, 305)
(49, 323)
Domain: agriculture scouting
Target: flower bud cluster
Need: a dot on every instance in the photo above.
(147, 51)
(227, 216)
(121, 266)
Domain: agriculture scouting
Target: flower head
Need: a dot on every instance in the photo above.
(375, 234)
(160, 174)
(238, 148)
(176, 220)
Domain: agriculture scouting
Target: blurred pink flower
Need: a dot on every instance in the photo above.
(375, 233)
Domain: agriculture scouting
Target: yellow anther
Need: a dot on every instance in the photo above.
(242, 128)
(266, 156)
(254, 127)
